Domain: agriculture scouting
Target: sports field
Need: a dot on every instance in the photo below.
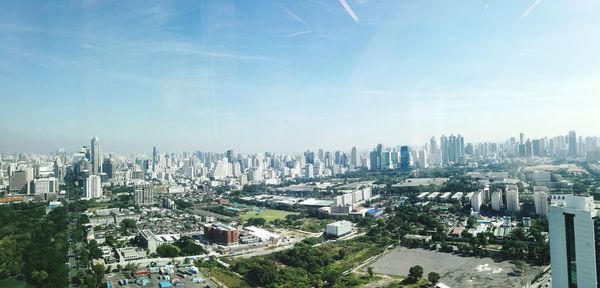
(268, 214)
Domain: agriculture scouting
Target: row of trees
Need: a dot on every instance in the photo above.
(185, 246)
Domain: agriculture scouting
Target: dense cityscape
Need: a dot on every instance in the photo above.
(299, 144)
(385, 218)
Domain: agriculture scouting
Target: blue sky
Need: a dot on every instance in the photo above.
(289, 75)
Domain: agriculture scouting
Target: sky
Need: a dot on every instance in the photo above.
(287, 76)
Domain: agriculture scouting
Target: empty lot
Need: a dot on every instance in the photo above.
(455, 271)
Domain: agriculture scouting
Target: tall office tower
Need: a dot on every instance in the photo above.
(528, 148)
(386, 160)
(522, 151)
(476, 201)
(512, 198)
(95, 156)
(452, 149)
(537, 147)
(521, 138)
(572, 144)
(154, 158)
(460, 143)
(230, 156)
(444, 149)
(497, 200)
(309, 171)
(404, 158)
(92, 187)
(59, 169)
(373, 161)
(423, 159)
(143, 194)
(379, 150)
(354, 160)
(574, 241)
(540, 200)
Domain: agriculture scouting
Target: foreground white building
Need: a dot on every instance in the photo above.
(574, 241)
(339, 228)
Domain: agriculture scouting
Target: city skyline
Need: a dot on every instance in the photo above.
(288, 76)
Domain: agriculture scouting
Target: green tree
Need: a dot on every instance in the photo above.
(520, 266)
(168, 250)
(95, 251)
(370, 271)
(256, 221)
(39, 277)
(433, 277)
(127, 225)
(10, 257)
(415, 273)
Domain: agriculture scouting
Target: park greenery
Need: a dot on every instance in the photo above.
(33, 244)
(185, 246)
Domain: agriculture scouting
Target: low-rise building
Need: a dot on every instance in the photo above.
(130, 253)
(221, 234)
(338, 229)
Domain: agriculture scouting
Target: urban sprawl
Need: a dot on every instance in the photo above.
(449, 213)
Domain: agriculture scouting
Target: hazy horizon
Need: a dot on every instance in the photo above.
(286, 76)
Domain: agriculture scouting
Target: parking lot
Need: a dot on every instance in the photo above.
(155, 278)
(455, 271)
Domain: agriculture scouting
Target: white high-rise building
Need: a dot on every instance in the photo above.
(45, 185)
(512, 198)
(497, 200)
(540, 199)
(476, 201)
(92, 187)
(423, 163)
(574, 241)
(96, 156)
(143, 194)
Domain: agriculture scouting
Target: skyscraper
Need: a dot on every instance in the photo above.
(574, 241)
(230, 158)
(404, 158)
(572, 144)
(95, 156)
(512, 198)
(154, 158)
(354, 157)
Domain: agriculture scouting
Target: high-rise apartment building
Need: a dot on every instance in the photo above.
(540, 200)
(92, 187)
(574, 241)
(95, 156)
(512, 198)
(143, 194)
(497, 200)
(476, 201)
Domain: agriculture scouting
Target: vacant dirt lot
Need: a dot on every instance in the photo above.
(455, 271)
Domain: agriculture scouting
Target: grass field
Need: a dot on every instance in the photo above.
(268, 215)
(225, 276)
